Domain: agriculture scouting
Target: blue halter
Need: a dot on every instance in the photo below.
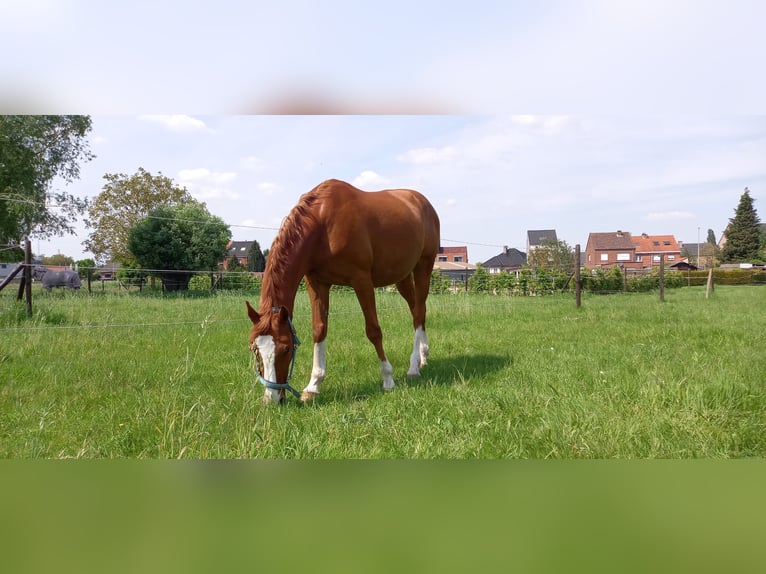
(286, 385)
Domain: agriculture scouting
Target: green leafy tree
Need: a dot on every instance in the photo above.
(86, 267)
(256, 260)
(59, 260)
(711, 237)
(122, 203)
(552, 255)
(35, 151)
(11, 254)
(743, 234)
(479, 281)
(175, 241)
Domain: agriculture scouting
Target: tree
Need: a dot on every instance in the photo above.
(743, 234)
(174, 241)
(34, 151)
(86, 267)
(122, 203)
(256, 261)
(58, 260)
(552, 255)
(711, 237)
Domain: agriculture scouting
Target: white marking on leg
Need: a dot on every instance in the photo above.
(388, 375)
(266, 348)
(419, 352)
(318, 371)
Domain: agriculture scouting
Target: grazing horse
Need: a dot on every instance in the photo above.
(50, 279)
(340, 235)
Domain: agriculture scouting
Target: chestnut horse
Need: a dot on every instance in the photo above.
(340, 235)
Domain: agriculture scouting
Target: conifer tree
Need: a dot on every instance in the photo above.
(743, 235)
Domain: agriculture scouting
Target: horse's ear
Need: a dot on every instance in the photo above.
(252, 313)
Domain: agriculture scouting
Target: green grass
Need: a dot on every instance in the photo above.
(128, 375)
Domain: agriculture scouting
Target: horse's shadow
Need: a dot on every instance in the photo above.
(458, 368)
(444, 371)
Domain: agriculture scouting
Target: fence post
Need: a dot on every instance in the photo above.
(709, 287)
(578, 290)
(28, 275)
(662, 277)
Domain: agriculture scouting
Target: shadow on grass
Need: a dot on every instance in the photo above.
(454, 369)
(442, 371)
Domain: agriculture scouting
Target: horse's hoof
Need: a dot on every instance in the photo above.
(308, 396)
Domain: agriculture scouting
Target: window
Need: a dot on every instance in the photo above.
(671, 257)
(458, 259)
(604, 257)
(623, 257)
(639, 258)
(656, 258)
(442, 258)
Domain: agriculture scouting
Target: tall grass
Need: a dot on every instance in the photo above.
(624, 376)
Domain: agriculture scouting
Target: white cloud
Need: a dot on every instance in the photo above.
(253, 162)
(205, 184)
(429, 155)
(268, 187)
(369, 179)
(177, 122)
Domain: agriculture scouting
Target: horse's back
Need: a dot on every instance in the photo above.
(386, 233)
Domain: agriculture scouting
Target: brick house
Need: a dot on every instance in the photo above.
(453, 254)
(605, 250)
(236, 250)
(649, 248)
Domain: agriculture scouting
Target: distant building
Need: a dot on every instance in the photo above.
(453, 254)
(539, 237)
(650, 248)
(236, 250)
(610, 249)
(510, 260)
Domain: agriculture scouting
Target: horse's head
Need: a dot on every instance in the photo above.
(274, 342)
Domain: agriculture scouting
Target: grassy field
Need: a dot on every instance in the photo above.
(625, 376)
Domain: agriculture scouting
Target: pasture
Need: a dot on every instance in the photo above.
(129, 375)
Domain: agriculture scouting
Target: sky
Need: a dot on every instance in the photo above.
(490, 177)
(576, 115)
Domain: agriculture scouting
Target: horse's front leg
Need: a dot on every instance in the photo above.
(319, 294)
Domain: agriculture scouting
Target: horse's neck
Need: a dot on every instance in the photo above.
(281, 281)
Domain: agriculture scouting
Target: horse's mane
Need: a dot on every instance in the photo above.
(301, 220)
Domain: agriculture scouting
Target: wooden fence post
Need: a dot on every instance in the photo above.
(662, 277)
(28, 275)
(709, 287)
(578, 289)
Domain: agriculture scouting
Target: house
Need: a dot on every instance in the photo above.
(609, 249)
(108, 271)
(457, 272)
(510, 260)
(650, 248)
(236, 250)
(700, 255)
(453, 254)
(538, 237)
(7, 268)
